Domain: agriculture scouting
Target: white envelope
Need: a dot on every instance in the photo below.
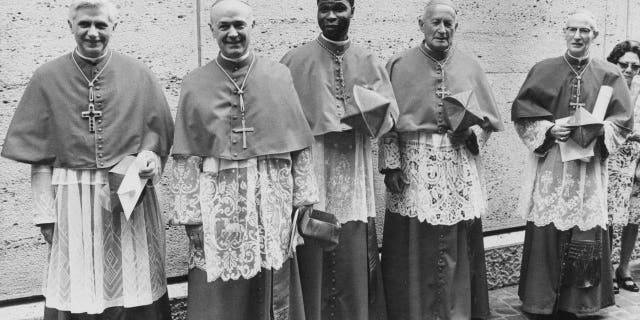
(132, 185)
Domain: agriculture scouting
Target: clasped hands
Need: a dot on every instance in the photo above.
(562, 133)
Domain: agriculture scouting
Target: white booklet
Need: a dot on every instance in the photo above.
(131, 186)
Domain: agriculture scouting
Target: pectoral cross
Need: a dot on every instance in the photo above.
(577, 104)
(244, 131)
(442, 92)
(91, 114)
(240, 91)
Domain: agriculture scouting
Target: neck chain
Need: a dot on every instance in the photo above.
(577, 104)
(91, 113)
(338, 59)
(240, 92)
(441, 91)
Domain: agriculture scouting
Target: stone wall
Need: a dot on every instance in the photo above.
(508, 37)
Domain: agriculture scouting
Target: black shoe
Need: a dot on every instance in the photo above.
(626, 283)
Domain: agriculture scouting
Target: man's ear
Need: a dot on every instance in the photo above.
(211, 28)
(420, 21)
(455, 27)
(70, 25)
(595, 34)
(353, 10)
(114, 26)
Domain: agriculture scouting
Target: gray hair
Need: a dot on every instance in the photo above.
(107, 5)
(588, 14)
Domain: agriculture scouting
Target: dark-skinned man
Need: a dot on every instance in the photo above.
(238, 172)
(82, 114)
(343, 283)
(432, 253)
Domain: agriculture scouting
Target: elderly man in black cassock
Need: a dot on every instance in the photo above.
(433, 261)
(345, 282)
(566, 265)
(80, 115)
(242, 162)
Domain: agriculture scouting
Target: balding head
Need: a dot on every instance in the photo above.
(231, 24)
(447, 3)
(586, 15)
(223, 7)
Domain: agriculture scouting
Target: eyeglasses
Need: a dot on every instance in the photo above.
(625, 65)
(582, 30)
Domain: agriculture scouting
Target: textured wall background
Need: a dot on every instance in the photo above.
(507, 36)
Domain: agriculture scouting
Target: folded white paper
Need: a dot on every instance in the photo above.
(571, 150)
(131, 186)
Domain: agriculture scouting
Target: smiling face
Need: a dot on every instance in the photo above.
(579, 33)
(334, 18)
(92, 29)
(438, 25)
(231, 25)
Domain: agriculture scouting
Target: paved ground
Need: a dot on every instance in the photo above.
(505, 304)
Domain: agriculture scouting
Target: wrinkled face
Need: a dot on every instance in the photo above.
(629, 64)
(334, 17)
(438, 25)
(579, 34)
(92, 29)
(231, 25)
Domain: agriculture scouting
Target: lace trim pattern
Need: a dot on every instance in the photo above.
(533, 132)
(389, 152)
(566, 194)
(184, 186)
(344, 172)
(445, 185)
(246, 213)
(98, 258)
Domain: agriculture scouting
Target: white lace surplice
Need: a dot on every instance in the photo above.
(245, 209)
(344, 171)
(445, 181)
(98, 259)
(567, 194)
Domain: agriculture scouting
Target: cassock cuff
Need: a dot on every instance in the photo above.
(389, 153)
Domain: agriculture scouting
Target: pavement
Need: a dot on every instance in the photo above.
(505, 304)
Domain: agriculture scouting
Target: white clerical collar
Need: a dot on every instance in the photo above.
(236, 60)
(585, 57)
(92, 60)
(338, 43)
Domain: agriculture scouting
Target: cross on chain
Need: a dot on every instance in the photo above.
(240, 91)
(91, 112)
(244, 128)
(577, 104)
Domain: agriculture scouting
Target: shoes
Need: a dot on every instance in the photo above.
(616, 288)
(626, 283)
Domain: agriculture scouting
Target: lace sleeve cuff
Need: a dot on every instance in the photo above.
(43, 198)
(184, 185)
(389, 153)
(534, 135)
(305, 187)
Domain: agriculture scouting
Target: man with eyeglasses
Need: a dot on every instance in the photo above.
(566, 266)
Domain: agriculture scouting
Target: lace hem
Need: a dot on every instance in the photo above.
(444, 181)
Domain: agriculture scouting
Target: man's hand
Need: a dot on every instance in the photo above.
(147, 163)
(559, 132)
(395, 181)
(47, 231)
(459, 137)
(195, 234)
